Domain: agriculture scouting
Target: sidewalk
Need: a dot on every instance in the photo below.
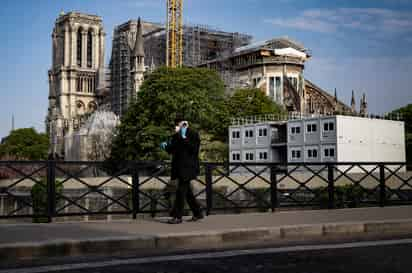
(214, 232)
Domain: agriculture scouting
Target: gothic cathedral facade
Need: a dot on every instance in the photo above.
(77, 78)
(77, 59)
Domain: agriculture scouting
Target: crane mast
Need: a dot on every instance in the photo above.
(174, 33)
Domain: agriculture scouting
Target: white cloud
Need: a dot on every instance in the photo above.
(361, 19)
(303, 24)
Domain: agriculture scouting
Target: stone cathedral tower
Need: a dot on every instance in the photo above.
(127, 65)
(77, 60)
(138, 67)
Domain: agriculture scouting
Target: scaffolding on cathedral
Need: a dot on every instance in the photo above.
(121, 66)
(200, 44)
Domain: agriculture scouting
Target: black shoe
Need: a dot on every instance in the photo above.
(196, 218)
(174, 221)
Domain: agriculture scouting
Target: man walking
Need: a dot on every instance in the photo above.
(184, 148)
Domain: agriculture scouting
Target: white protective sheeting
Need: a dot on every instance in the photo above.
(291, 52)
(251, 46)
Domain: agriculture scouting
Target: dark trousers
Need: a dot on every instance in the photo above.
(184, 190)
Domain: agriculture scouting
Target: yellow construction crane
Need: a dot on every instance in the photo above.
(174, 33)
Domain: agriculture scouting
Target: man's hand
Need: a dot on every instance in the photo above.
(163, 145)
(183, 131)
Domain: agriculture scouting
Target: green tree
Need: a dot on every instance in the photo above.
(406, 114)
(39, 196)
(25, 143)
(212, 149)
(197, 93)
(252, 101)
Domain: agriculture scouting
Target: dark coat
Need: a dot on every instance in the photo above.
(185, 155)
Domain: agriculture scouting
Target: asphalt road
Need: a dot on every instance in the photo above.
(393, 256)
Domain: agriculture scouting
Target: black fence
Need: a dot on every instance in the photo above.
(43, 190)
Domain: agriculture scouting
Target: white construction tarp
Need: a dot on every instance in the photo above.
(289, 51)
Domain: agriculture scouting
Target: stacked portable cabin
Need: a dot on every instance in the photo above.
(318, 139)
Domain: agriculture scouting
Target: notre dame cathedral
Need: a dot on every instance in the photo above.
(80, 83)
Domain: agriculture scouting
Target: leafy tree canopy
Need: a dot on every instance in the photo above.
(25, 143)
(406, 114)
(251, 101)
(196, 93)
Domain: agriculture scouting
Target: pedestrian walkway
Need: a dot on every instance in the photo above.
(215, 231)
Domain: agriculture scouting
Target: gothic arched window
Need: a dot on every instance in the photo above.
(79, 47)
(92, 106)
(89, 49)
(81, 109)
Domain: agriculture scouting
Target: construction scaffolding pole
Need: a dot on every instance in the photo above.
(174, 35)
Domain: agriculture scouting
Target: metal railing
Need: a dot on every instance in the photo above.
(52, 189)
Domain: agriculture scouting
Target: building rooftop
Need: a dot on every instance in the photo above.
(266, 118)
(276, 43)
(147, 26)
(75, 14)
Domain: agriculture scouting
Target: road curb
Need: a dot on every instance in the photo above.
(195, 240)
(301, 231)
(388, 226)
(199, 240)
(343, 228)
(251, 234)
(72, 248)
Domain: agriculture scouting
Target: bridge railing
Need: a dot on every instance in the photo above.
(47, 190)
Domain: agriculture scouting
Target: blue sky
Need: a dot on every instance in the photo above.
(364, 45)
